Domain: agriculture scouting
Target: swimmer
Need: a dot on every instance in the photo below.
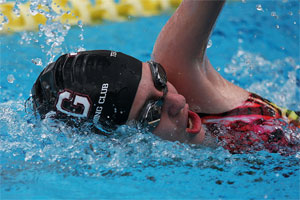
(178, 95)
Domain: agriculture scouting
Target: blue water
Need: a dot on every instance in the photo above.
(258, 50)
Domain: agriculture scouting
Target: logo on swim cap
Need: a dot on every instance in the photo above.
(73, 104)
(101, 101)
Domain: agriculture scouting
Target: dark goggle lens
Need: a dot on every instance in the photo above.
(159, 75)
(152, 114)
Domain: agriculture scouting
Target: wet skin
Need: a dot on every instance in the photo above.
(174, 117)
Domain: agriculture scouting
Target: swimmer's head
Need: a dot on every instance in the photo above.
(95, 86)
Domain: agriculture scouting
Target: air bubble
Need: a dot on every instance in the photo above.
(10, 78)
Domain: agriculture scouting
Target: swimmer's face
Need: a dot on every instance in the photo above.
(174, 116)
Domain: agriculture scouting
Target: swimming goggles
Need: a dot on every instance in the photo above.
(150, 114)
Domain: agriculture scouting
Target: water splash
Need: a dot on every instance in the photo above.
(273, 83)
(50, 145)
(51, 35)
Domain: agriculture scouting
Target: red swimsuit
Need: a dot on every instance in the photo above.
(256, 125)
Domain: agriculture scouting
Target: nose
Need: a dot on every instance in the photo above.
(173, 103)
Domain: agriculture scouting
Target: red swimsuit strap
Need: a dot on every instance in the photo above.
(254, 107)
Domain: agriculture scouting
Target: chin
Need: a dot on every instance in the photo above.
(196, 138)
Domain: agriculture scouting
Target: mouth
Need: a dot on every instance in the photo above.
(193, 123)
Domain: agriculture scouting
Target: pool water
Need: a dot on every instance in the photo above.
(255, 44)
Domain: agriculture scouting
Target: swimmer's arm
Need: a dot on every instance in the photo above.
(180, 48)
(187, 32)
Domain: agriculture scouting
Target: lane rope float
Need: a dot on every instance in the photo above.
(15, 17)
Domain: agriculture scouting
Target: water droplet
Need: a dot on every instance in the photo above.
(274, 14)
(277, 26)
(10, 78)
(37, 61)
(259, 8)
(80, 23)
(81, 49)
(81, 36)
(33, 7)
(16, 9)
(291, 13)
(209, 44)
(5, 20)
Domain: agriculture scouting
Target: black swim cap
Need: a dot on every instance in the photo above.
(97, 86)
